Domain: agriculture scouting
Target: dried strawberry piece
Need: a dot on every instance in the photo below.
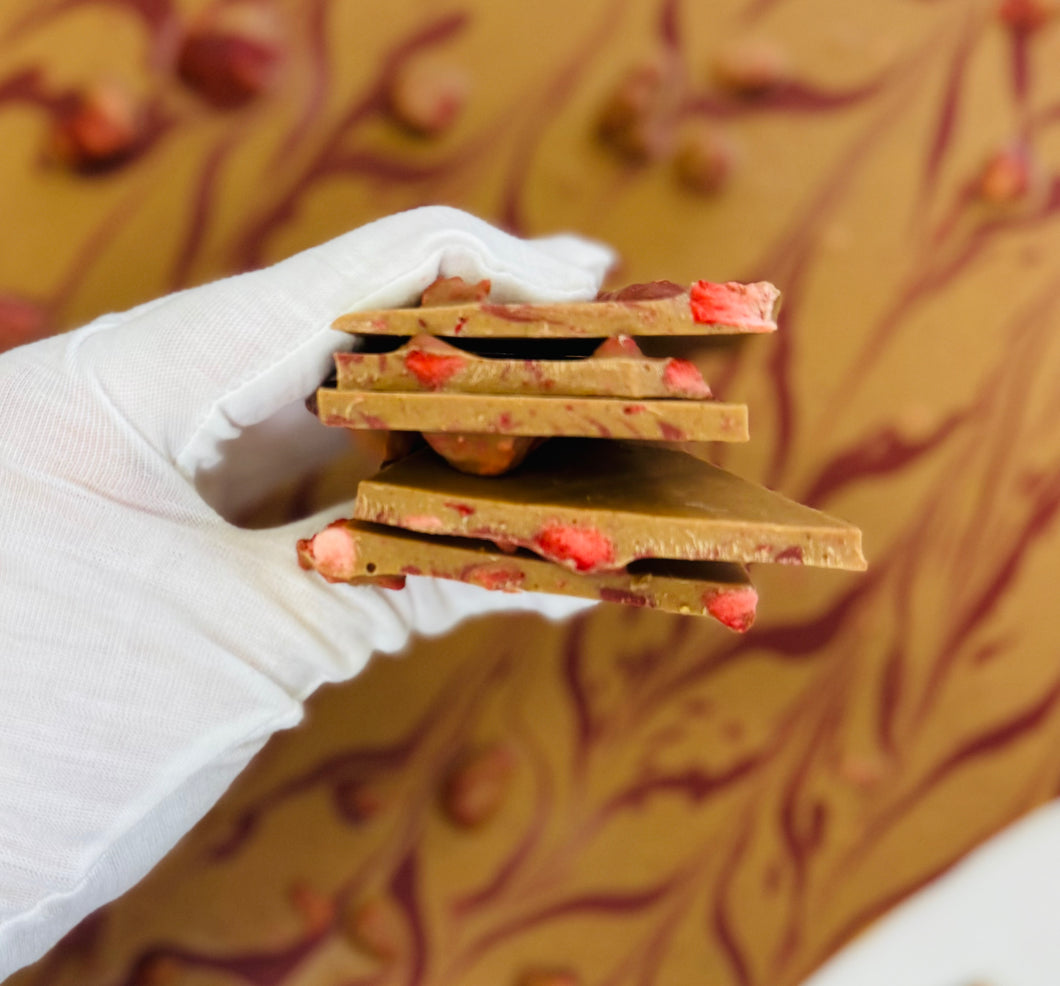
(732, 303)
(332, 552)
(735, 608)
(585, 549)
(680, 376)
(683, 377)
(433, 361)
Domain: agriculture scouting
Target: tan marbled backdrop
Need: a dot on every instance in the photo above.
(630, 798)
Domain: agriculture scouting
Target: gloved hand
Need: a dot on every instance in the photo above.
(148, 648)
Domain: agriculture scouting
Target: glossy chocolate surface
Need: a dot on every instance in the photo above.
(703, 309)
(353, 551)
(624, 500)
(506, 414)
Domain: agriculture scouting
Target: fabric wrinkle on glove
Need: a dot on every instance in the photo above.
(149, 648)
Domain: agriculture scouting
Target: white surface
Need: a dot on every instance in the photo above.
(994, 920)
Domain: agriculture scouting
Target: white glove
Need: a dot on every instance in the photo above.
(148, 648)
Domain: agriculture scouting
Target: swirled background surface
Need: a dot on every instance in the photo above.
(629, 798)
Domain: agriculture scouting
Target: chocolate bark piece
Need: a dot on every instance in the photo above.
(659, 309)
(357, 552)
(428, 363)
(507, 414)
(596, 506)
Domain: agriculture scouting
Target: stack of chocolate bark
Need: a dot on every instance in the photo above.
(535, 447)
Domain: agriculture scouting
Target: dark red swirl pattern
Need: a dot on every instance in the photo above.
(631, 798)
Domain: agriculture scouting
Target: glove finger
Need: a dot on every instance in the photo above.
(195, 370)
(276, 453)
(579, 252)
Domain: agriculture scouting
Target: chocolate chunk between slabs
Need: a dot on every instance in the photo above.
(598, 505)
(361, 553)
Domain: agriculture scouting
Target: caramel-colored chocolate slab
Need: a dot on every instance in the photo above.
(663, 309)
(505, 414)
(353, 551)
(416, 367)
(596, 506)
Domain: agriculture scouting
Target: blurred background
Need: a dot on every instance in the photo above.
(629, 798)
